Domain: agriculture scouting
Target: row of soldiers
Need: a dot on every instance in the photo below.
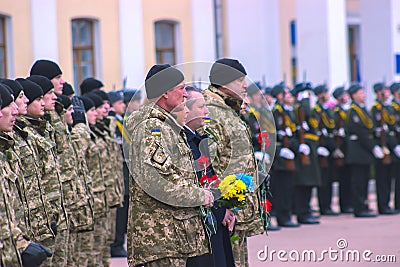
(317, 145)
(61, 171)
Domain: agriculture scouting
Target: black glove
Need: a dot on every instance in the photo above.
(35, 254)
(78, 115)
(53, 226)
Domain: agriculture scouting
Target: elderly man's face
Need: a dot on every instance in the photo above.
(237, 88)
(175, 96)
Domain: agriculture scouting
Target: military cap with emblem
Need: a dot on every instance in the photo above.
(379, 87)
(300, 87)
(320, 89)
(277, 89)
(31, 89)
(354, 87)
(226, 70)
(339, 91)
(131, 94)
(114, 96)
(160, 79)
(394, 87)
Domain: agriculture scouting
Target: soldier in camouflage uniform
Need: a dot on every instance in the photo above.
(16, 249)
(383, 117)
(164, 224)
(395, 128)
(50, 180)
(232, 147)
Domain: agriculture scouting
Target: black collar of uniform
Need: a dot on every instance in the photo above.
(5, 141)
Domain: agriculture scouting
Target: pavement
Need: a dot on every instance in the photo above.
(338, 241)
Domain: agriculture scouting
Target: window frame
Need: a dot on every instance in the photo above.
(162, 50)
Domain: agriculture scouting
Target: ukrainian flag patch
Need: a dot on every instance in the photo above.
(155, 132)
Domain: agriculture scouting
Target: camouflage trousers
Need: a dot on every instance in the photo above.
(239, 249)
(9, 256)
(59, 246)
(110, 230)
(176, 262)
(83, 249)
(99, 242)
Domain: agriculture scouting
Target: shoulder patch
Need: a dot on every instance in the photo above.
(159, 156)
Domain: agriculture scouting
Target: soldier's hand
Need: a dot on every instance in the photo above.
(208, 198)
(35, 254)
(78, 115)
(397, 150)
(286, 153)
(338, 154)
(229, 219)
(322, 151)
(378, 152)
(305, 149)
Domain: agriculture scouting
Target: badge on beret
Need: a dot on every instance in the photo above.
(356, 119)
(159, 156)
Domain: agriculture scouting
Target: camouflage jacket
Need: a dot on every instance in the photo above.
(49, 168)
(232, 153)
(90, 152)
(164, 218)
(28, 158)
(13, 238)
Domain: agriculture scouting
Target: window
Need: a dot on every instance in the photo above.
(165, 42)
(83, 50)
(3, 50)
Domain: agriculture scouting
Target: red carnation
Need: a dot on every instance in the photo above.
(263, 139)
(203, 160)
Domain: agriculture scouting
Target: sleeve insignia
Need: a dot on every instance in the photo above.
(159, 156)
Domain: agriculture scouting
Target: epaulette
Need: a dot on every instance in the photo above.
(377, 105)
(278, 107)
(317, 108)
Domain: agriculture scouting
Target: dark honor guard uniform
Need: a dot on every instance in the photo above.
(307, 173)
(395, 89)
(382, 116)
(326, 146)
(361, 149)
(341, 169)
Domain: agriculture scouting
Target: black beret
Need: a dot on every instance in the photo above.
(89, 84)
(320, 89)
(166, 79)
(101, 93)
(32, 90)
(43, 82)
(338, 92)
(253, 89)
(379, 87)
(87, 103)
(395, 87)
(300, 87)
(67, 89)
(45, 68)
(6, 95)
(97, 100)
(226, 70)
(277, 89)
(14, 85)
(63, 99)
(354, 87)
(115, 96)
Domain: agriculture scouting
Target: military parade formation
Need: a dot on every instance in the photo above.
(80, 172)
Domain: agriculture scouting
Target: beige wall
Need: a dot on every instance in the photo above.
(19, 12)
(109, 37)
(353, 6)
(177, 10)
(286, 15)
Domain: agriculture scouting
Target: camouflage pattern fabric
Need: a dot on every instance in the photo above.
(163, 165)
